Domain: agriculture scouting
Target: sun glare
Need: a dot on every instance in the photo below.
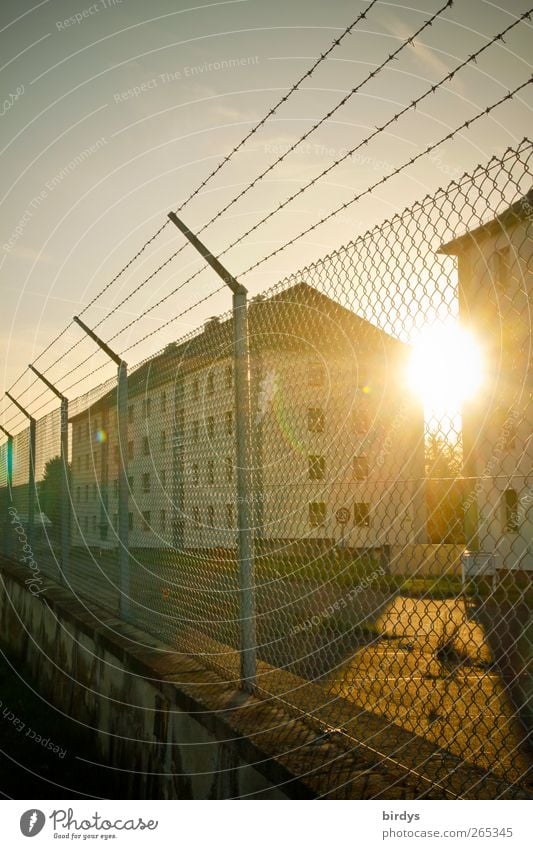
(445, 369)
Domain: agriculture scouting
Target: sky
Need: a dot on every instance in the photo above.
(112, 113)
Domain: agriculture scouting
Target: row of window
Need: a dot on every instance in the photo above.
(147, 520)
(146, 486)
(316, 423)
(316, 472)
(317, 517)
(317, 514)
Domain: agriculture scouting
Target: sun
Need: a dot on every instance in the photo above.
(445, 369)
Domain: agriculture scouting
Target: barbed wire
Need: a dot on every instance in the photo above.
(335, 43)
(465, 125)
(412, 105)
(280, 159)
(378, 130)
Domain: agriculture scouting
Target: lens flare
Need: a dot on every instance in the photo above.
(445, 369)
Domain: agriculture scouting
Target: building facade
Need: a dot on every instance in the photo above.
(495, 277)
(337, 443)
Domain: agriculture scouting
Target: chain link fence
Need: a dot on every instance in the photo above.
(392, 533)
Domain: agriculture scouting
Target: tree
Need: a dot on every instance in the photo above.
(50, 492)
(445, 491)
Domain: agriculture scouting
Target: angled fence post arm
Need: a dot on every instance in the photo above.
(241, 356)
(65, 478)
(123, 495)
(31, 471)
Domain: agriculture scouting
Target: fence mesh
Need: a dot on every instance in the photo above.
(392, 507)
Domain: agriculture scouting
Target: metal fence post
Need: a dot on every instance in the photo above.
(122, 427)
(31, 472)
(65, 491)
(243, 446)
(8, 543)
(244, 488)
(65, 480)
(31, 485)
(123, 495)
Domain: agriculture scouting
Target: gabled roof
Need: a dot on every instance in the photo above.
(279, 321)
(522, 208)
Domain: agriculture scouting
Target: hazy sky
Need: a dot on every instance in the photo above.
(150, 96)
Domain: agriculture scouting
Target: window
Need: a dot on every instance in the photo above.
(163, 440)
(146, 446)
(194, 472)
(196, 515)
(79, 463)
(130, 414)
(163, 478)
(94, 524)
(315, 375)
(211, 426)
(130, 521)
(87, 430)
(145, 521)
(229, 422)
(361, 514)
(195, 389)
(229, 377)
(116, 453)
(94, 491)
(146, 407)
(210, 383)
(360, 468)
(316, 420)
(230, 516)
(146, 482)
(115, 487)
(86, 462)
(86, 524)
(317, 467)
(115, 520)
(317, 513)
(211, 516)
(130, 484)
(130, 450)
(163, 402)
(229, 469)
(86, 492)
(195, 431)
(511, 516)
(501, 267)
(78, 494)
(210, 471)
(163, 521)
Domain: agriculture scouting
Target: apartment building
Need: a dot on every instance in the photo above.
(338, 444)
(495, 302)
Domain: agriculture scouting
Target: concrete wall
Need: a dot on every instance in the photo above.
(141, 726)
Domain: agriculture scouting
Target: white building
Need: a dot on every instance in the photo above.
(332, 427)
(495, 304)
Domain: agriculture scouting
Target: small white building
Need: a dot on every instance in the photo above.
(338, 444)
(495, 304)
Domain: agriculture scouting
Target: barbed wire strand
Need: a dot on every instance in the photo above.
(323, 56)
(280, 159)
(465, 125)
(377, 131)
